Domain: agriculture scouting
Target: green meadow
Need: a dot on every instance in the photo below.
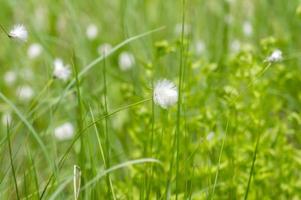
(150, 99)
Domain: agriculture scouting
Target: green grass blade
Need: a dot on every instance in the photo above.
(219, 160)
(253, 166)
(119, 166)
(11, 162)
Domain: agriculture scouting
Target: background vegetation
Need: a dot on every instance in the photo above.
(234, 134)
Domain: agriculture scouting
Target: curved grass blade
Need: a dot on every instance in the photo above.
(253, 166)
(122, 165)
(11, 161)
(28, 125)
(60, 188)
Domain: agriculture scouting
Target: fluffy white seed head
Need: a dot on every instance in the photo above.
(276, 56)
(64, 131)
(25, 93)
(92, 31)
(19, 32)
(34, 50)
(165, 93)
(126, 61)
(10, 77)
(104, 49)
(60, 70)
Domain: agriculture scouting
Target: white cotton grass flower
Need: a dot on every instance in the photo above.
(247, 28)
(64, 131)
(18, 32)
(276, 56)
(165, 93)
(10, 77)
(6, 118)
(126, 61)
(60, 70)
(25, 93)
(91, 31)
(34, 50)
(104, 49)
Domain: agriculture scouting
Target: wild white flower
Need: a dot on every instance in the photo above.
(165, 93)
(178, 29)
(276, 56)
(92, 31)
(200, 47)
(6, 118)
(34, 50)
(210, 136)
(10, 77)
(18, 32)
(64, 131)
(126, 61)
(104, 49)
(60, 70)
(247, 28)
(25, 92)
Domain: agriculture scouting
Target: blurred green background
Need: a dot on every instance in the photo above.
(227, 105)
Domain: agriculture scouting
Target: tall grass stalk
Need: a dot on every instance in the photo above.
(111, 192)
(150, 171)
(253, 166)
(179, 105)
(219, 159)
(80, 119)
